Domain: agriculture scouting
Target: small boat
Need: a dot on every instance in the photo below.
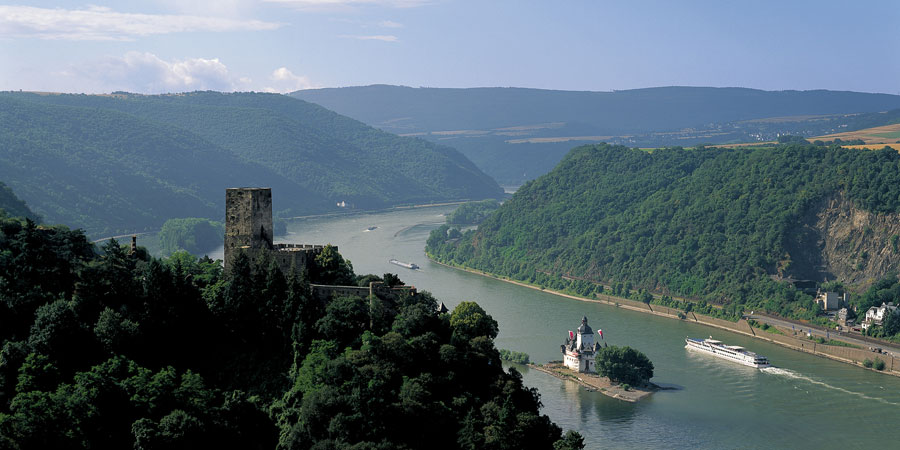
(412, 266)
(729, 352)
(371, 228)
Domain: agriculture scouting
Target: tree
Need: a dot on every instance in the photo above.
(303, 311)
(624, 365)
(891, 324)
(468, 321)
(331, 268)
(58, 333)
(646, 297)
(115, 331)
(344, 321)
(194, 235)
(571, 441)
(392, 280)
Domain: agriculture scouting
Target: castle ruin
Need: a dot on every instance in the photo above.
(249, 230)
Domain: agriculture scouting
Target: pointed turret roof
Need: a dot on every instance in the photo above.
(585, 328)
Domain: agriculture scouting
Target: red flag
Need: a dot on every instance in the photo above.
(600, 332)
(571, 335)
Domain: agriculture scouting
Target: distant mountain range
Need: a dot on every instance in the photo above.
(517, 134)
(125, 162)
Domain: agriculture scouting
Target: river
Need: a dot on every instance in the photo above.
(806, 402)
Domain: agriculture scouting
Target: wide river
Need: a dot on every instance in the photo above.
(806, 402)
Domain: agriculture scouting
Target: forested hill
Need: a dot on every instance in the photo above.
(713, 223)
(13, 206)
(127, 162)
(100, 348)
(405, 109)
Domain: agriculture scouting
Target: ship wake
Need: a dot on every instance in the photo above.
(797, 376)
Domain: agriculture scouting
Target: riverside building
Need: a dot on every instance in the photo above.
(580, 349)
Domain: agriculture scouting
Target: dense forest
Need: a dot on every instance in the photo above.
(194, 235)
(13, 206)
(516, 135)
(709, 223)
(472, 213)
(124, 163)
(106, 349)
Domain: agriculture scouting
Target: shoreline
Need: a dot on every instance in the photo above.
(360, 212)
(841, 354)
(596, 383)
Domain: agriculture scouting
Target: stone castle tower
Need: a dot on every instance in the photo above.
(249, 230)
(248, 220)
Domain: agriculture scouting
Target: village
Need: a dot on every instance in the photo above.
(837, 308)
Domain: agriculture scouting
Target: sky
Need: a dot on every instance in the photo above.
(158, 46)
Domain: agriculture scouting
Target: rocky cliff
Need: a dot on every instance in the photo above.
(838, 240)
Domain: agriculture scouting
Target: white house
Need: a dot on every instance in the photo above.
(580, 349)
(876, 314)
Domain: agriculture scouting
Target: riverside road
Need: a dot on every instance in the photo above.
(855, 339)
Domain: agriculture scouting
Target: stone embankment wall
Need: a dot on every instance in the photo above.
(324, 293)
(845, 354)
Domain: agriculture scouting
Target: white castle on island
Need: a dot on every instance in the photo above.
(580, 349)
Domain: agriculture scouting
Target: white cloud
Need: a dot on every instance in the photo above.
(146, 73)
(149, 74)
(285, 81)
(348, 4)
(375, 37)
(219, 8)
(390, 24)
(101, 23)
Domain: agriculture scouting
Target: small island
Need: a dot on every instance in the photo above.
(619, 372)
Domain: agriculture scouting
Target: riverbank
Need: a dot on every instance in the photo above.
(848, 355)
(595, 383)
(359, 212)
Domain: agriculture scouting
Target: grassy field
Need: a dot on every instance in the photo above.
(874, 146)
(888, 134)
(874, 138)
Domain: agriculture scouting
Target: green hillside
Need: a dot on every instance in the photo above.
(112, 350)
(127, 162)
(712, 223)
(13, 206)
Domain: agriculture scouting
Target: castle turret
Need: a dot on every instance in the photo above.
(579, 350)
(248, 221)
(585, 336)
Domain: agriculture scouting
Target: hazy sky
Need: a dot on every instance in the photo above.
(283, 45)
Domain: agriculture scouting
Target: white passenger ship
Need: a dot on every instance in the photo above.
(729, 352)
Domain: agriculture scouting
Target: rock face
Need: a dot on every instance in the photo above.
(838, 240)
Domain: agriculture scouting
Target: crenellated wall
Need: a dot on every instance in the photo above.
(324, 292)
(249, 230)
